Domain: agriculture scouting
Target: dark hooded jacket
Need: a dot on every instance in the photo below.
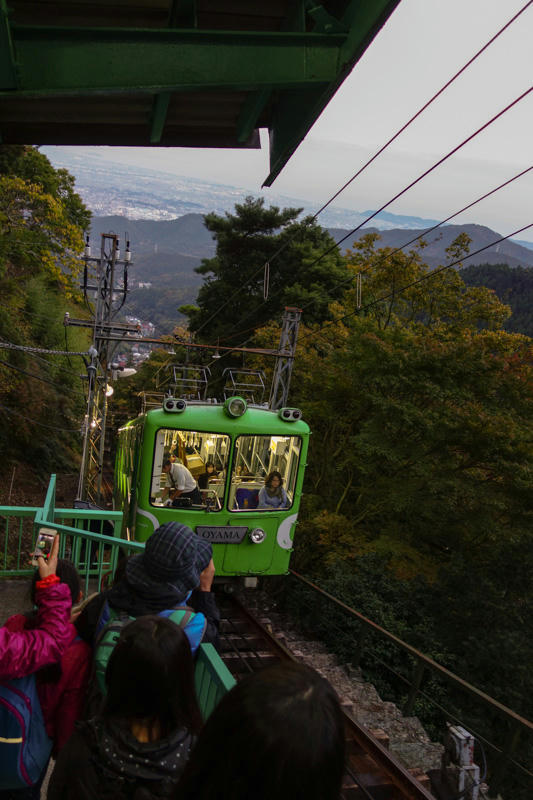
(159, 579)
(125, 598)
(104, 761)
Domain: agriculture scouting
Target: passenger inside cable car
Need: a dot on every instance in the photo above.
(272, 495)
(262, 475)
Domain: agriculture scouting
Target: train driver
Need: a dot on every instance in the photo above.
(180, 483)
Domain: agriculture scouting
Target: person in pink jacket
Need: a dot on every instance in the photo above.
(62, 686)
(24, 652)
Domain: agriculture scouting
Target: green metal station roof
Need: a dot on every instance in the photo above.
(176, 73)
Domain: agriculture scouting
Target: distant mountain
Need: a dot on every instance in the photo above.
(513, 254)
(187, 234)
(529, 245)
(165, 254)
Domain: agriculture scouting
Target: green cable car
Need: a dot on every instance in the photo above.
(227, 450)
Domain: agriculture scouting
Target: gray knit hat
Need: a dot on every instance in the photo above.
(173, 555)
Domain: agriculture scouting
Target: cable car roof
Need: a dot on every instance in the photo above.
(211, 418)
(177, 73)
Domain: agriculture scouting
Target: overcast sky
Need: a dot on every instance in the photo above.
(422, 45)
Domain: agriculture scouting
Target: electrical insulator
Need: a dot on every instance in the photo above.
(127, 254)
(87, 251)
(117, 250)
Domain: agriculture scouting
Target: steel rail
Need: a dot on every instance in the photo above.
(403, 784)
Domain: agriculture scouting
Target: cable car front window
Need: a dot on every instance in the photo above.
(189, 469)
(259, 459)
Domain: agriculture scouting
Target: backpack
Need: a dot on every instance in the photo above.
(112, 622)
(25, 747)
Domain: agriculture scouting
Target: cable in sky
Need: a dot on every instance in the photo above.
(426, 172)
(408, 123)
(423, 108)
(389, 202)
(351, 278)
(417, 281)
(434, 227)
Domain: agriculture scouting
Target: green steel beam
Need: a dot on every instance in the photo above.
(324, 22)
(49, 501)
(159, 116)
(8, 72)
(251, 109)
(182, 14)
(297, 111)
(80, 61)
(256, 102)
(363, 21)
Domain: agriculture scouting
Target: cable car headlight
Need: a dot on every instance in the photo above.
(235, 406)
(257, 535)
(175, 405)
(290, 414)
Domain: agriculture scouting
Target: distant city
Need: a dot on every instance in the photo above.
(110, 189)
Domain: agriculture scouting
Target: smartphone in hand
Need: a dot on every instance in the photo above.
(43, 545)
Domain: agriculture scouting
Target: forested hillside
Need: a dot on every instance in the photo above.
(418, 506)
(512, 285)
(41, 395)
(167, 253)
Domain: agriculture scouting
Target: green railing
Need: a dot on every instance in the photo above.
(212, 679)
(83, 540)
(512, 729)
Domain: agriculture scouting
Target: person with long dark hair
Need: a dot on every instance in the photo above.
(278, 733)
(139, 744)
(209, 475)
(273, 495)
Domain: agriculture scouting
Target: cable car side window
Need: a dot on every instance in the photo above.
(203, 454)
(258, 459)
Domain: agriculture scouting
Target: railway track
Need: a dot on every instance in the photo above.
(247, 645)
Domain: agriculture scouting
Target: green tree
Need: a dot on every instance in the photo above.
(418, 505)
(443, 298)
(232, 296)
(41, 398)
(33, 167)
(421, 408)
(513, 285)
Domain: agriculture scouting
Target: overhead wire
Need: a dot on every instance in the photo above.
(378, 153)
(7, 410)
(431, 229)
(426, 172)
(423, 175)
(385, 257)
(57, 367)
(423, 108)
(29, 349)
(425, 232)
(39, 378)
(428, 276)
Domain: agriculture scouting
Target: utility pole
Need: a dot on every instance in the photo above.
(99, 277)
(281, 380)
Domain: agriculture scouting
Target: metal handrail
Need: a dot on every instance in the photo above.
(94, 553)
(422, 663)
